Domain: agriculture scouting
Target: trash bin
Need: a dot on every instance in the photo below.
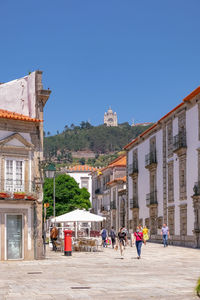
(68, 243)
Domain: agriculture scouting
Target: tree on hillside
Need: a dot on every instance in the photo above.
(99, 139)
(68, 195)
(82, 161)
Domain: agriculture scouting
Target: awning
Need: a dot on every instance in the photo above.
(78, 216)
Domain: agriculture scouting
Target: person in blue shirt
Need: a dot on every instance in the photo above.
(103, 236)
(165, 234)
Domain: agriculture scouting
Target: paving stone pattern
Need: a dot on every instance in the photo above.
(162, 273)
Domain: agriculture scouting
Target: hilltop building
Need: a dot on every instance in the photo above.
(110, 118)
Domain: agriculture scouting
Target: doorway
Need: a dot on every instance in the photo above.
(14, 238)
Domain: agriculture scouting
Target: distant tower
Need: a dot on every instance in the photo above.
(110, 118)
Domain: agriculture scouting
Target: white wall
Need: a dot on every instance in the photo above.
(77, 176)
(19, 95)
(143, 175)
(143, 179)
(192, 161)
(193, 144)
(159, 175)
(176, 182)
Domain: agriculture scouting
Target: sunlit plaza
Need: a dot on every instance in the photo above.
(161, 273)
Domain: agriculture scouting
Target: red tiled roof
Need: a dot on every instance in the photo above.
(5, 114)
(192, 94)
(117, 179)
(118, 162)
(81, 168)
(187, 98)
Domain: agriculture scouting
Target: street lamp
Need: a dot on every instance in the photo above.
(50, 173)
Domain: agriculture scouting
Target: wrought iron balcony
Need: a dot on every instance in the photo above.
(196, 188)
(10, 185)
(98, 191)
(134, 202)
(179, 141)
(112, 205)
(151, 198)
(150, 159)
(104, 208)
(133, 168)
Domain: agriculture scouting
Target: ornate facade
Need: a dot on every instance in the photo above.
(163, 166)
(21, 177)
(109, 193)
(110, 118)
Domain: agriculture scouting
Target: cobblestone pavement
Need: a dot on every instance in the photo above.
(162, 273)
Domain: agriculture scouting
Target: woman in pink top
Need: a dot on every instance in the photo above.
(139, 239)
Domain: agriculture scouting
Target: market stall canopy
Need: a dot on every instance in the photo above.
(78, 216)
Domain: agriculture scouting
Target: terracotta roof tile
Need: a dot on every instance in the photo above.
(192, 94)
(81, 168)
(118, 162)
(117, 179)
(187, 98)
(5, 114)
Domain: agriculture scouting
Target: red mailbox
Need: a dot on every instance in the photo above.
(68, 243)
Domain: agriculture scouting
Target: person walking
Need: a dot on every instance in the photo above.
(140, 228)
(126, 235)
(122, 240)
(139, 239)
(53, 236)
(165, 234)
(103, 236)
(113, 236)
(145, 234)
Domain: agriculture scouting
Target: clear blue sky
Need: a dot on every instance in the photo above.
(140, 57)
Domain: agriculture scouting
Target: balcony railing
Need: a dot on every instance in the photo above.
(104, 208)
(179, 141)
(133, 168)
(112, 205)
(150, 158)
(98, 191)
(134, 202)
(196, 188)
(9, 185)
(151, 198)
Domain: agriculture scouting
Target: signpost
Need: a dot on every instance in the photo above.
(45, 229)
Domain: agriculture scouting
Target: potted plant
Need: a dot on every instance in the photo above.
(19, 195)
(4, 195)
(30, 197)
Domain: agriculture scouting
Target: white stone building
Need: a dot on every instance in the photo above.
(163, 167)
(21, 151)
(83, 176)
(109, 193)
(110, 118)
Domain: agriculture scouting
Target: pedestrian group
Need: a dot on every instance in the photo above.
(139, 237)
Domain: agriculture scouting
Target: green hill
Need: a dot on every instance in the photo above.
(97, 139)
